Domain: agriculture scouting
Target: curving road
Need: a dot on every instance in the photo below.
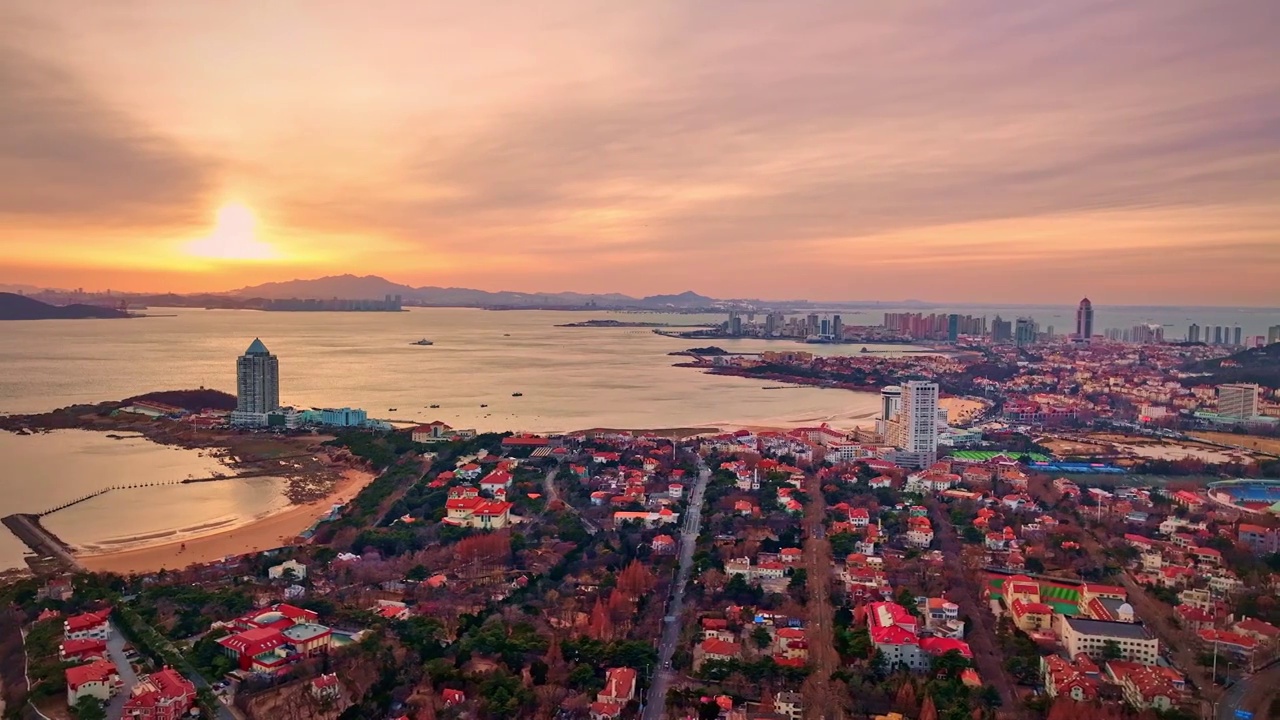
(655, 704)
(1252, 694)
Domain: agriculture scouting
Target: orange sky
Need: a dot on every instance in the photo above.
(965, 151)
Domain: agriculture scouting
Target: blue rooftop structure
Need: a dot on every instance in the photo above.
(257, 348)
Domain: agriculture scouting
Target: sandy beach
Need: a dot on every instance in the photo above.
(263, 534)
(960, 409)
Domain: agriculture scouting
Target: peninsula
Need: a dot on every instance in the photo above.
(20, 307)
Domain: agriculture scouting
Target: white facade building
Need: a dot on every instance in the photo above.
(257, 380)
(1238, 400)
(915, 431)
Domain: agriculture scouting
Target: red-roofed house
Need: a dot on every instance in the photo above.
(664, 544)
(498, 481)
(431, 432)
(1064, 679)
(88, 626)
(453, 697)
(1263, 632)
(81, 650)
(714, 649)
(1242, 646)
(163, 695)
(326, 687)
(98, 679)
(1148, 686)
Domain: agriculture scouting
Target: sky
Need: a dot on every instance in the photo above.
(951, 150)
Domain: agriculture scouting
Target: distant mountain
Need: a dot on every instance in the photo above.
(17, 307)
(1255, 365)
(353, 287)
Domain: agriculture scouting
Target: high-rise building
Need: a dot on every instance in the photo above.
(1193, 333)
(918, 423)
(257, 380)
(1025, 332)
(1236, 337)
(1084, 320)
(953, 327)
(1217, 334)
(773, 322)
(837, 328)
(1273, 334)
(1238, 400)
(824, 327)
(811, 324)
(734, 326)
(890, 406)
(1001, 330)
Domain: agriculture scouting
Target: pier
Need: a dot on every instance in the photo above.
(52, 553)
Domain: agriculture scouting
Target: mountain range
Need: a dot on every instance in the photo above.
(17, 307)
(355, 287)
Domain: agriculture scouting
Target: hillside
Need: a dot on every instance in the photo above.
(192, 400)
(354, 287)
(1256, 365)
(18, 307)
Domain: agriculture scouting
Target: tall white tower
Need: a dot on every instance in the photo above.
(919, 419)
(257, 380)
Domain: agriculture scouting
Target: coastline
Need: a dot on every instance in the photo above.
(261, 533)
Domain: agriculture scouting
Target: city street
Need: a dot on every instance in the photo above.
(656, 701)
(115, 649)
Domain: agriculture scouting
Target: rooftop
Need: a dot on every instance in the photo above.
(1104, 628)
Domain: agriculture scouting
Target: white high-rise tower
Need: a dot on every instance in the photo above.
(257, 380)
(918, 418)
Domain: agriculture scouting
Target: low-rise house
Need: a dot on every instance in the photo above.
(465, 508)
(326, 687)
(664, 544)
(1148, 686)
(1075, 680)
(88, 626)
(715, 649)
(163, 695)
(1263, 632)
(287, 568)
(619, 689)
(81, 650)
(98, 679)
(1225, 642)
(453, 697)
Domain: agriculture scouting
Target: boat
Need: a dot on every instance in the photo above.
(434, 406)
(517, 394)
(483, 405)
(423, 341)
(391, 409)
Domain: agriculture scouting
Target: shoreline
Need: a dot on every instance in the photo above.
(273, 530)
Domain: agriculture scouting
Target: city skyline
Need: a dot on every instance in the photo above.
(971, 152)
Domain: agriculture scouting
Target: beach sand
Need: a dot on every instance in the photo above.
(960, 409)
(269, 532)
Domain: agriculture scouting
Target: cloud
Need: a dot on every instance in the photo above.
(66, 156)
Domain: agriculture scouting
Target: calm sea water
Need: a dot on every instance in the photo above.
(44, 470)
(570, 378)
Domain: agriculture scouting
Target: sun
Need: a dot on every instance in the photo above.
(234, 237)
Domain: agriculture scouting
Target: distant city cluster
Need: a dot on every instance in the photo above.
(954, 328)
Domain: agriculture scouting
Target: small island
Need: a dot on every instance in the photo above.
(613, 324)
(709, 351)
(20, 307)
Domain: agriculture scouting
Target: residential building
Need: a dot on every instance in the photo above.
(1025, 332)
(1092, 637)
(465, 508)
(257, 384)
(915, 428)
(1148, 686)
(286, 569)
(98, 679)
(619, 689)
(81, 650)
(88, 626)
(326, 687)
(163, 695)
(1238, 400)
(1077, 680)
(1260, 540)
(343, 417)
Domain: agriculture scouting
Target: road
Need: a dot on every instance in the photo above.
(656, 702)
(821, 698)
(115, 648)
(553, 495)
(1252, 694)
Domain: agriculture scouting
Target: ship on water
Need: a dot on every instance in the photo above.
(423, 341)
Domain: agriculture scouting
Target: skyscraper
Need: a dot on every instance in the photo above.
(918, 423)
(257, 380)
(1084, 320)
(1238, 400)
(837, 328)
(1001, 330)
(1236, 338)
(1273, 334)
(1217, 334)
(1193, 333)
(953, 327)
(1025, 332)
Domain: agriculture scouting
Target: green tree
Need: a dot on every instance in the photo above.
(89, 708)
(1111, 650)
(761, 637)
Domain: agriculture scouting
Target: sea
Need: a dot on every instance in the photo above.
(568, 379)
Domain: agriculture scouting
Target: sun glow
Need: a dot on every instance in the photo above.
(234, 237)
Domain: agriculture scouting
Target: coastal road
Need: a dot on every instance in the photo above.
(656, 701)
